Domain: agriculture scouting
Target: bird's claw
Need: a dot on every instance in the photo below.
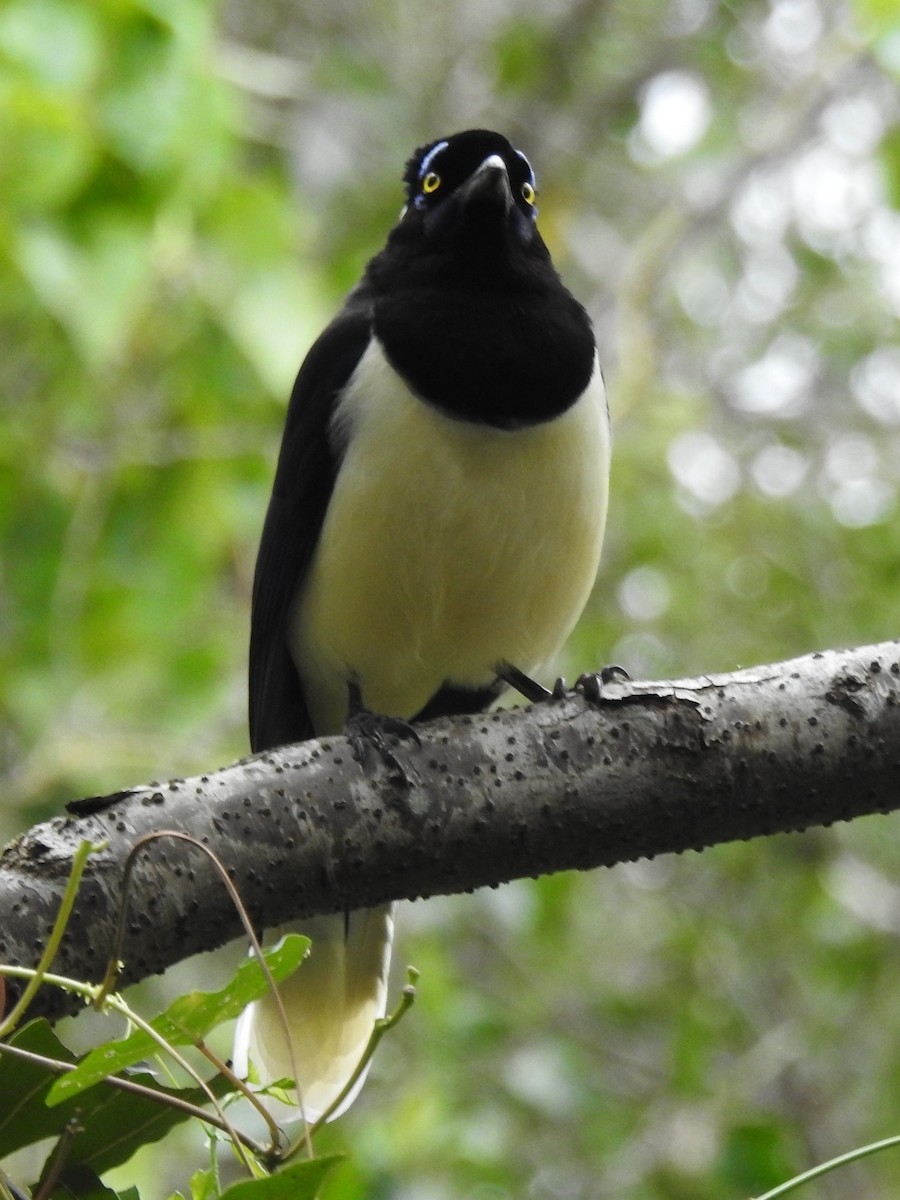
(533, 691)
(367, 730)
(591, 684)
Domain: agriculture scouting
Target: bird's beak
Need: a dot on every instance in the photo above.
(488, 186)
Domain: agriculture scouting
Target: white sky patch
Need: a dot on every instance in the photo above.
(511, 906)
(860, 502)
(644, 594)
(704, 468)
(770, 277)
(761, 210)
(778, 470)
(853, 125)
(887, 51)
(875, 381)
(779, 383)
(649, 874)
(643, 655)
(793, 27)
(851, 456)
(881, 241)
(675, 114)
(689, 1139)
(703, 293)
(865, 892)
(539, 1075)
(832, 191)
(851, 483)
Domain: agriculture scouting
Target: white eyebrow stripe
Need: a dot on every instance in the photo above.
(426, 161)
(528, 165)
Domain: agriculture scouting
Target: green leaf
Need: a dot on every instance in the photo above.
(521, 52)
(876, 18)
(114, 1123)
(205, 1184)
(889, 155)
(300, 1181)
(94, 284)
(48, 150)
(55, 43)
(755, 1156)
(25, 1119)
(187, 1021)
(79, 1181)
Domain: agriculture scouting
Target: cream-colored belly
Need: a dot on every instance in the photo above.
(446, 548)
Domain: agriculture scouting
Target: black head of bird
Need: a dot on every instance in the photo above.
(467, 302)
(472, 188)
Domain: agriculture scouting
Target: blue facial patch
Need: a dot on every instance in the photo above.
(531, 178)
(426, 161)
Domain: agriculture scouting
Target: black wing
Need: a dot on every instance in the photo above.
(307, 465)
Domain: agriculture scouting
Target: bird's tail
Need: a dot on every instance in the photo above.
(331, 1003)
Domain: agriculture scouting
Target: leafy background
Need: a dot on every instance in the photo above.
(186, 191)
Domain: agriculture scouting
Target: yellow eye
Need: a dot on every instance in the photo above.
(528, 193)
(431, 183)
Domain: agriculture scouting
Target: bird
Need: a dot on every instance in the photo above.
(438, 509)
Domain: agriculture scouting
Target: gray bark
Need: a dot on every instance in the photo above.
(654, 768)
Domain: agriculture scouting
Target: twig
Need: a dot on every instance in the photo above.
(137, 1089)
(115, 962)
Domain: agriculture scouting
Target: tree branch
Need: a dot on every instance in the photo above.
(654, 768)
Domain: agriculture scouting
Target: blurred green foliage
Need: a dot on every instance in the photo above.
(186, 190)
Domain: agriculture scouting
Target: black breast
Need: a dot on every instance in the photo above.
(487, 335)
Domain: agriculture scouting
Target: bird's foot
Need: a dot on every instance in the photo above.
(591, 684)
(367, 730)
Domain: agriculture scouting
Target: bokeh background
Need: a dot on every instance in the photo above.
(187, 189)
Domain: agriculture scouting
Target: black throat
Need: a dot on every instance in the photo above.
(481, 327)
